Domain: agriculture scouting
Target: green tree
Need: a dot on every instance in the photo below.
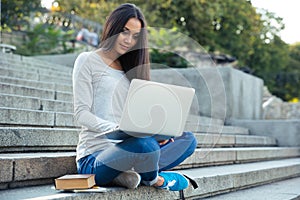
(95, 10)
(289, 78)
(294, 52)
(232, 27)
(16, 14)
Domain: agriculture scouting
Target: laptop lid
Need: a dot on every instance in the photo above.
(156, 108)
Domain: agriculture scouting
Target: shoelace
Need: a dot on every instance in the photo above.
(170, 184)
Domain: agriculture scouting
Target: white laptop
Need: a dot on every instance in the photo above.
(153, 108)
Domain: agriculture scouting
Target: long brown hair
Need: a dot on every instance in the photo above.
(136, 62)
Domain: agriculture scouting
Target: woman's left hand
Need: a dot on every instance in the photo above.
(163, 142)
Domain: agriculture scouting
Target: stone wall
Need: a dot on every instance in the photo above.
(276, 108)
(221, 92)
(285, 131)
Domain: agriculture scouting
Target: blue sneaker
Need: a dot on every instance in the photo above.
(174, 181)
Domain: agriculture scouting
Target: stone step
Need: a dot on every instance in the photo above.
(33, 62)
(223, 140)
(196, 119)
(36, 139)
(28, 168)
(42, 104)
(39, 117)
(31, 139)
(37, 103)
(64, 59)
(280, 190)
(211, 181)
(36, 84)
(34, 168)
(221, 156)
(35, 66)
(216, 129)
(16, 116)
(25, 61)
(23, 117)
(34, 76)
(220, 179)
(35, 92)
(37, 70)
(34, 103)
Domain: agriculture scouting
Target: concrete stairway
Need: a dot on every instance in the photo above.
(38, 140)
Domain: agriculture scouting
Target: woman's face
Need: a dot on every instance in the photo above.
(128, 37)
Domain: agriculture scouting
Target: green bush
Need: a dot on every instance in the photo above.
(46, 39)
(167, 59)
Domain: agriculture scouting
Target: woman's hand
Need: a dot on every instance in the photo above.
(163, 142)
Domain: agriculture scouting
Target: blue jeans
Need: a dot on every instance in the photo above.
(144, 155)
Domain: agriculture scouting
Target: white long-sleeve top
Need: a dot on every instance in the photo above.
(99, 93)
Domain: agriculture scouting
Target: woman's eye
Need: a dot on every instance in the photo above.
(125, 32)
(136, 37)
